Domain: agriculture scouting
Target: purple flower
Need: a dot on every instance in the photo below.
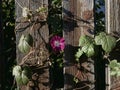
(57, 43)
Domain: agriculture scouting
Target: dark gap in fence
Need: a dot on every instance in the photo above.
(2, 61)
(99, 71)
(54, 22)
(99, 62)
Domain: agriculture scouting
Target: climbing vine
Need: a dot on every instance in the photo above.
(88, 46)
(26, 41)
(22, 72)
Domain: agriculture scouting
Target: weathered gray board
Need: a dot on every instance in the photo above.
(39, 31)
(113, 27)
(78, 19)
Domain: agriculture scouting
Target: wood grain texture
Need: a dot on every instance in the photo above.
(113, 27)
(78, 19)
(39, 31)
(113, 15)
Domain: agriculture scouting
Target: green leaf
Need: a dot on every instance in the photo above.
(87, 45)
(75, 80)
(84, 40)
(26, 73)
(78, 54)
(88, 49)
(113, 73)
(19, 80)
(21, 76)
(113, 63)
(115, 68)
(25, 43)
(25, 79)
(17, 70)
(108, 42)
(118, 74)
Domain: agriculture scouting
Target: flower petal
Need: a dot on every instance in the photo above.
(60, 45)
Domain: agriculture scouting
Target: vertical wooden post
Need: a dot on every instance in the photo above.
(38, 60)
(78, 19)
(113, 27)
(2, 63)
(107, 16)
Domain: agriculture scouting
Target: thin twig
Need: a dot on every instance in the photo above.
(86, 85)
(118, 40)
(25, 58)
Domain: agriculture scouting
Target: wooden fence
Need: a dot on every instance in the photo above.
(39, 30)
(78, 19)
(113, 27)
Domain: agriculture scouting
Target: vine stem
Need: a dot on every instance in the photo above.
(106, 56)
(108, 60)
(83, 87)
(25, 58)
(118, 40)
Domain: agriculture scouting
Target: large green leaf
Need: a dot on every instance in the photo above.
(25, 43)
(24, 77)
(17, 70)
(108, 42)
(84, 40)
(88, 49)
(26, 73)
(21, 76)
(87, 45)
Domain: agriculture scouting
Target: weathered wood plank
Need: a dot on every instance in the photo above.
(39, 31)
(112, 15)
(113, 27)
(77, 20)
